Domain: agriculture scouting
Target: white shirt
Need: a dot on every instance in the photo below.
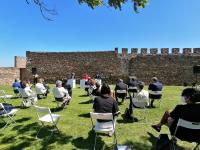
(141, 97)
(27, 92)
(60, 92)
(40, 89)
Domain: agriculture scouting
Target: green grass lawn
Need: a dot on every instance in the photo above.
(75, 125)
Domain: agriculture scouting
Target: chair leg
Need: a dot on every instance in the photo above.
(39, 130)
(197, 147)
(95, 140)
(115, 139)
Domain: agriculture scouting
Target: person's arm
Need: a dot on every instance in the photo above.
(115, 109)
(170, 120)
(174, 115)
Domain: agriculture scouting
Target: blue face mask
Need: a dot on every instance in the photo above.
(182, 99)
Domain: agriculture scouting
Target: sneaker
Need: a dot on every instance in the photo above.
(156, 127)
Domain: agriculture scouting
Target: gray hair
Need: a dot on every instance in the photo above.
(58, 82)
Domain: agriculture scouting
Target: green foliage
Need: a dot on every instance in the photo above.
(117, 4)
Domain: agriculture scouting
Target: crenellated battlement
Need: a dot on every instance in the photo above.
(155, 51)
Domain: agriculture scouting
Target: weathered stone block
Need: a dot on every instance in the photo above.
(187, 51)
(134, 52)
(175, 51)
(196, 51)
(124, 52)
(153, 51)
(143, 51)
(164, 51)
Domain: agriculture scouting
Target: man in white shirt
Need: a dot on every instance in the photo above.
(61, 94)
(40, 89)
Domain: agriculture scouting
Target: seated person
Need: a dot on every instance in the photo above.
(26, 92)
(40, 89)
(141, 96)
(96, 91)
(45, 85)
(88, 83)
(190, 112)
(73, 75)
(98, 76)
(105, 104)
(155, 86)
(16, 85)
(61, 94)
(85, 77)
(133, 84)
(120, 86)
(67, 86)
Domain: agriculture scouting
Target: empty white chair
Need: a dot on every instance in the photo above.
(105, 127)
(4, 96)
(45, 116)
(193, 126)
(7, 115)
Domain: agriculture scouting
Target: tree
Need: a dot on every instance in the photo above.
(117, 4)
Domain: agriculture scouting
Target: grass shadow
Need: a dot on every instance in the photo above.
(83, 95)
(127, 120)
(87, 115)
(57, 109)
(87, 102)
(88, 143)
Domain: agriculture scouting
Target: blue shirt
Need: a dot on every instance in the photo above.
(156, 86)
(16, 84)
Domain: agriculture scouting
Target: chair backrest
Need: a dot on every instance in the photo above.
(42, 110)
(121, 91)
(193, 126)
(155, 92)
(101, 116)
(132, 88)
(2, 93)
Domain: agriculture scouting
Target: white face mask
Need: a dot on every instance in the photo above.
(182, 99)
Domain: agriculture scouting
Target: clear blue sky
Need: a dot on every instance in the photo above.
(163, 23)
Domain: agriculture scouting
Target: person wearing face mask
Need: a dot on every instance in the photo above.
(190, 111)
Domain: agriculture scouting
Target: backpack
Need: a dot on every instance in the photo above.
(163, 142)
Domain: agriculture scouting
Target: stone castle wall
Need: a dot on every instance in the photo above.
(172, 67)
(53, 66)
(8, 75)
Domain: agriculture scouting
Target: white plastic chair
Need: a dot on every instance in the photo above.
(103, 127)
(27, 101)
(45, 116)
(7, 117)
(189, 125)
(4, 96)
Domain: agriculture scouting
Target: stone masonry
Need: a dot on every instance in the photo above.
(172, 68)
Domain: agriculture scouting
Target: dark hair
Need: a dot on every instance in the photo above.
(105, 89)
(194, 94)
(141, 85)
